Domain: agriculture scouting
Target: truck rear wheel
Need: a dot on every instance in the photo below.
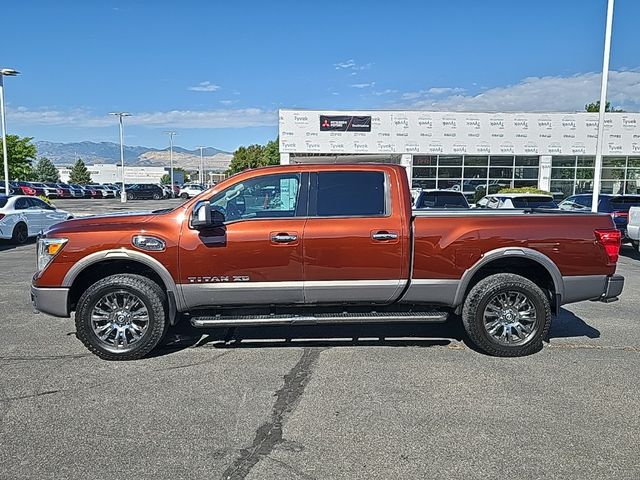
(507, 315)
(122, 317)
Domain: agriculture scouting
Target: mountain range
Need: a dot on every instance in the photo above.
(65, 154)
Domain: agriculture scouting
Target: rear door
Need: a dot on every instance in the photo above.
(354, 245)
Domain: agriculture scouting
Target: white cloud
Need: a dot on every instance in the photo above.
(221, 118)
(345, 65)
(228, 102)
(352, 66)
(205, 87)
(363, 85)
(551, 93)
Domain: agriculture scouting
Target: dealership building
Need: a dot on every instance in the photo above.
(472, 151)
(112, 173)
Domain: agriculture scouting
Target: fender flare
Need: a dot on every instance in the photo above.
(126, 254)
(513, 252)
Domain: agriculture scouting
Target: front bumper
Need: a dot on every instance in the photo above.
(54, 301)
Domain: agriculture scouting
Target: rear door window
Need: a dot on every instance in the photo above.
(533, 202)
(351, 194)
(441, 200)
(625, 203)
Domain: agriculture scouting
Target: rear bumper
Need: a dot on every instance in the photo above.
(592, 287)
(53, 301)
(614, 287)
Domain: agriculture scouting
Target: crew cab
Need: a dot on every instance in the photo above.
(302, 244)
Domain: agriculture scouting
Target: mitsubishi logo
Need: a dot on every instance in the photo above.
(325, 124)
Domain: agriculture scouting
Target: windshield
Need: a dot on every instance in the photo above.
(3, 201)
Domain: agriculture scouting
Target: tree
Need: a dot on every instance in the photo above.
(595, 107)
(254, 156)
(166, 179)
(21, 154)
(271, 153)
(46, 171)
(79, 173)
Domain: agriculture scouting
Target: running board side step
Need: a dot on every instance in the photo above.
(307, 319)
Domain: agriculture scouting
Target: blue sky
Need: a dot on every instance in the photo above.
(216, 72)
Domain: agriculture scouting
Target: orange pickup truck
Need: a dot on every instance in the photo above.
(306, 244)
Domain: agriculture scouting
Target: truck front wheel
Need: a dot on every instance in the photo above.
(122, 317)
(507, 315)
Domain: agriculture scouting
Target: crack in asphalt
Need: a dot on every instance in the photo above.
(269, 434)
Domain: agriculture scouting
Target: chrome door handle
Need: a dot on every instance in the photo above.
(284, 238)
(382, 236)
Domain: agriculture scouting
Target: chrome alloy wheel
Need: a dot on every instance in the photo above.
(510, 318)
(119, 319)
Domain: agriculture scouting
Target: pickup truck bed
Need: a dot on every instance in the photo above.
(322, 243)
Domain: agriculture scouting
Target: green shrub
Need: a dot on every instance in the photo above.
(533, 190)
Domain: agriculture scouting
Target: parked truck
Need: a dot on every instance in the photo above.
(302, 244)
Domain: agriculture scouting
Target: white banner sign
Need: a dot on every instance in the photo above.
(460, 133)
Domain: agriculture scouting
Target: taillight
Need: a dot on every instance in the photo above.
(2, 216)
(60, 192)
(610, 240)
(28, 190)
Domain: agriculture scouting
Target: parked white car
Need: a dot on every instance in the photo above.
(517, 200)
(22, 217)
(633, 227)
(189, 190)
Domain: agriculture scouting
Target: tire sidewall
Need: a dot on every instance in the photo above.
(156, 309)
(483, 292)
(15, 238)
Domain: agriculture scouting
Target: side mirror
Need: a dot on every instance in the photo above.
(203, 217)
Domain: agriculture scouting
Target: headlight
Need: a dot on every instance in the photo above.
(47, 249)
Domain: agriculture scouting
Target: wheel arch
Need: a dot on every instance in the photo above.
(526, 262)
(110, 262)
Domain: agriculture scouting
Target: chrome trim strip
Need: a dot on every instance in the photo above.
(432, 291)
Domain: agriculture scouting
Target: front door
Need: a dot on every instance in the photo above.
(256, 258)
(354, 245)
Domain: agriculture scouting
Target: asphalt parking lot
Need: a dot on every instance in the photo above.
(365, 402)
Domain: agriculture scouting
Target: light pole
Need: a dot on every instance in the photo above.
(5, 72)
(597, 176)
(171, 134)
(123, 194)
(201, 171)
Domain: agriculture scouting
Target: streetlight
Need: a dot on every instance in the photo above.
(201, 171)
(597, 177)
(171, 134)
(5, 72)
(123, 194)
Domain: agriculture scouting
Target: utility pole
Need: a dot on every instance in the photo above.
(5, 72)
(201, 171)
(171, 135)
(597, 177)
(123, 193)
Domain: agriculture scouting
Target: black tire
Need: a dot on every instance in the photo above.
(20, 234)
(156, 196)
(635, 244)
(130, 196)
(153, 299)
(486, 291)
(185, 195)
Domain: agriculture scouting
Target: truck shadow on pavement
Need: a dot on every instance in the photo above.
(7, 245)
(449, 334)
(630, 252)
